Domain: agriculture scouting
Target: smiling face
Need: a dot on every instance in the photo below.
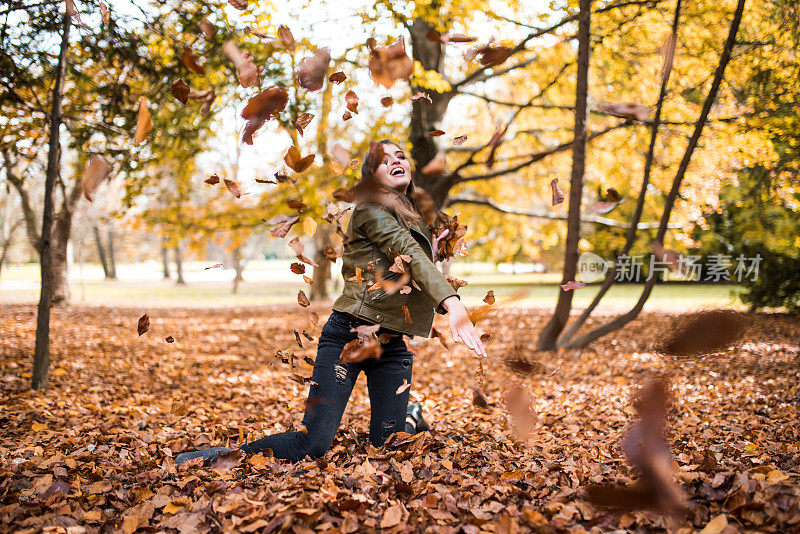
(395, 169)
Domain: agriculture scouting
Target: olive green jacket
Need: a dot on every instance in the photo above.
(374, 233)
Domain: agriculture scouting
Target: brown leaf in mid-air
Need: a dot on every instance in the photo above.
(302, 299)
(297, 268)
(312, 70)
(297, 338)
(284, 224)
(455, 282)
(572, 284)
(494, 142)
(105, 13)
(357, 277)
(406, 384)
(97, 169)
(352, 101)
(445, 38)
(518, 403)
(286, 37)
(314, 318)
(436, 133)
(346, 116)
(209, 30)
(144, 122)
(143, 325)
(233, 187)
(296, 204)
(459, 140)
(390, 63)
(485, 337)
(489, 298)
(169, 339)
(478, 399)
(241, 5)
(215, 266)
(366, 330)
(626, 110)
(212, 180)
(558, 196)
(295, 161)
(361, 349)
(435, 166)
(331, 253)
(420, 94)
(296, 245)
(191, 61)
(705, 332)
(246, 70)
(407, 314)
(180, 90)
(261, 108)
(337, 77)
(309, 261)
(302, 121)
(387, 101)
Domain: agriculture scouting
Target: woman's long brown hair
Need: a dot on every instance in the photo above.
(369, 191)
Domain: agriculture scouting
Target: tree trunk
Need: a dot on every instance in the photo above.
(61, 260)
(41, 354)
(238, 267)
(569, 334)
(551, 331)
(178, 264)
(101, 251)
(112, 263)
(165, 258)
(321, 274)
(622, 320)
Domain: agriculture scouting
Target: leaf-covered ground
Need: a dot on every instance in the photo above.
(96, 450)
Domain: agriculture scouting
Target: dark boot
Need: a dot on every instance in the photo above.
(205, 453)
(414, 420)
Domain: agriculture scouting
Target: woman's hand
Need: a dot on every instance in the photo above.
(461, 327)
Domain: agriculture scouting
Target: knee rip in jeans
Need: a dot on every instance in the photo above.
(388, 428)
(341, 372)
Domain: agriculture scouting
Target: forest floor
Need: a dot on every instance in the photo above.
(95, 451)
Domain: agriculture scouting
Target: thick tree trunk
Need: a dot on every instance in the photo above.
(112, 263)
(41, 355)
(101, 251)
(178, 264)
(321, 274)
(551, 331)
(622, 320)
(165, 258)
(61, 261)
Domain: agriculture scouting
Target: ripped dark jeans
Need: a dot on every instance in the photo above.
(328, 398)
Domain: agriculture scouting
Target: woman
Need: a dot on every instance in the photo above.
(384, 222)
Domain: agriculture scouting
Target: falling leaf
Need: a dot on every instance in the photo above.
(260, 108)
(352, 101)
(494, 142)
(309, 226)
(144, 122)
(302, 299)
(233, 187)
(459, 140)
(407, 314)
(286, 37)
(207, 97)
(455, 282)
(314, 318)
(311, 71)
(489, 298)
(435, 165)
(302, 121)
(705, 332)
(572, 285)
(191, 61)
(478, 399)
(209, 30)
(356, 278)
(360, 349)
(296, 204)
(246, 70)
(227, 460)
(420, 94)
(215, 266)
(169, 339)
(97, 169)
(436, 133)
(105, 13)
(143, 325)
(346, 116)
(437, 37)
(308, 280)
(295, 161)
(180, 90)
(626, 110)
(366, 330)
(485, 337)
(284, 224)
(518, 403)
(212, 180)
(297, 338)
(241, 5)
(558, 196)
(296, 245)
(390, 63)
(297, 268)
(387, 101)
(337, 77)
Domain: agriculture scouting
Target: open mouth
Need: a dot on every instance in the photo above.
(398, 172)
